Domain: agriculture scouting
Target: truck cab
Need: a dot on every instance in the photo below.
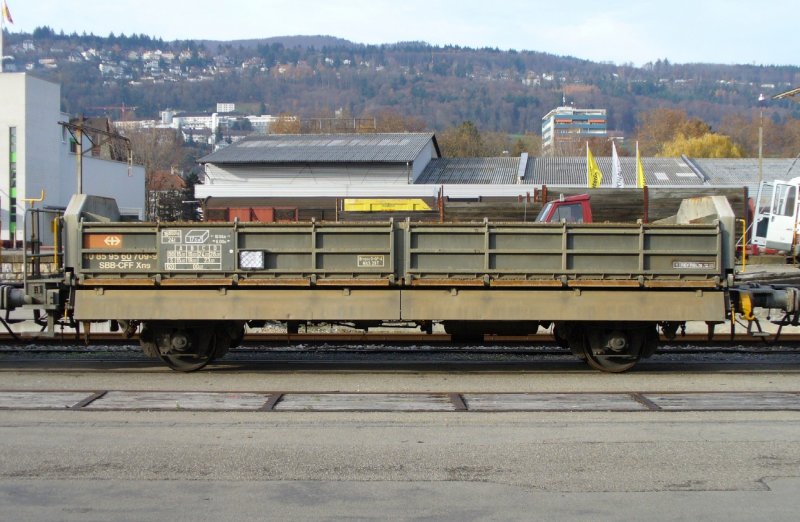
(570, 209)
(775, 224)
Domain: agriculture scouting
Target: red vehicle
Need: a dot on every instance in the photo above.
(571, 209)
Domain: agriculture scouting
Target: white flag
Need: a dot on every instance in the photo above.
(616, 169)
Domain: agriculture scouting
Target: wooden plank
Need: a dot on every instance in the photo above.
(492, 210)
(608, 205)
(144, 400)
(364, 402)
(552, 402)
(36, 400)
(754, 401)
(627, 205)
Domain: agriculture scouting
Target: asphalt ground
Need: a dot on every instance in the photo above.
(160, 453)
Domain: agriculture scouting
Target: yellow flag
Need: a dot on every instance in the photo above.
(594, 176)
(640, 181)
(7, 13)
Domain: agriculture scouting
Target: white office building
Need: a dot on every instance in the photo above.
(37, 158)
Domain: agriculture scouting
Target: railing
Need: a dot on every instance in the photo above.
(43, 248)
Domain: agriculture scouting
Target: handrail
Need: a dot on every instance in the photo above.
(32, 259)
(744, 244)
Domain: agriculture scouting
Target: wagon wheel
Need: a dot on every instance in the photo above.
(611, 351)
(199, 352)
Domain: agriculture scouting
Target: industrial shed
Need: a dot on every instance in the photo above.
(744, 172)
(571, 171)
(262, 163)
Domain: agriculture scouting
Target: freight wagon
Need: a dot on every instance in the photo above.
(190, 289)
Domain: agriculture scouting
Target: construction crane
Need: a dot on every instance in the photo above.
(788, 95)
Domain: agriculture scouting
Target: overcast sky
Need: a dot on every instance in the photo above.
(682, 31)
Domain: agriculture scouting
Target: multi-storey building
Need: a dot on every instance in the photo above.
(565, 128)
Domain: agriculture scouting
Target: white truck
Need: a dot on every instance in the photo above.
(775, 220)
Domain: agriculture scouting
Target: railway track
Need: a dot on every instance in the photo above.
(83, 338)
(269, 350)
(277, 401)
(263, 363)
(387, 359)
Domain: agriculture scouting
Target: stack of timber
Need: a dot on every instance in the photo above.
(608, 205)
(497, 210)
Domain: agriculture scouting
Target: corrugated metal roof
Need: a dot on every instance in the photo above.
(556, 171)
(324, 148)
(744, 172)
(470, 171)
(571, 171)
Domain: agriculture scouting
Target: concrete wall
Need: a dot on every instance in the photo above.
(302, 175)
(32, 106)
(102, 177)
(43, 139)
(422, 160)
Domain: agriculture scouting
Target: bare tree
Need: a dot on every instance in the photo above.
(157, 149)
(287, 124)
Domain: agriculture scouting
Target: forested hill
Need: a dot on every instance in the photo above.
(313, 76)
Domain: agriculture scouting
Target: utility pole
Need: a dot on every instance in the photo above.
(761, 102)
(96, 137)
(2, 26)
(79, 157)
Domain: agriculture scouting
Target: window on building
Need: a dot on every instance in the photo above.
(12, 182)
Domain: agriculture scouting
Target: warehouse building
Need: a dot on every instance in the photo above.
(328, 160)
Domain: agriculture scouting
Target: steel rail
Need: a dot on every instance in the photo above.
(376, 338)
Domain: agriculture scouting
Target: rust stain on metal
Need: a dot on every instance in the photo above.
(447, 282)
(526, 283)
(300, 281)
(353, 282)
(680, 284)
(184, 281)
(122, 281)
(603, 283)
